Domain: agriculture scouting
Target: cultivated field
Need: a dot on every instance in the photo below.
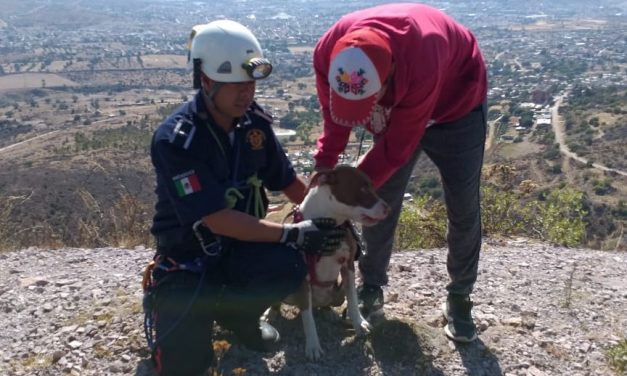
(32, 81)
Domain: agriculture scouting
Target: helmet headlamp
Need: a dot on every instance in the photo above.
(257, 68)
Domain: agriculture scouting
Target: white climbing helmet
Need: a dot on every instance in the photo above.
(227, 51)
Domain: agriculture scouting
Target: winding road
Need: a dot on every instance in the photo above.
(48, 134)
(560, 138)
(489, 142)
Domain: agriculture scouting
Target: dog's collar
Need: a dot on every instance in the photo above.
(298, 215)
(311, 260)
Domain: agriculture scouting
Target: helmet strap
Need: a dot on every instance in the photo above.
(204, 82)
(197, 73)
(208, 95)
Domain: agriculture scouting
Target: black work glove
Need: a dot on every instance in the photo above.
(313, 236)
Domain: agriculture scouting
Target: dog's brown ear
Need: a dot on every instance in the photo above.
(323, 177)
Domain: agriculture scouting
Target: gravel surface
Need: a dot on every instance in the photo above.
(541, 310)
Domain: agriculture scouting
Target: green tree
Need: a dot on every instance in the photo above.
(303, 130)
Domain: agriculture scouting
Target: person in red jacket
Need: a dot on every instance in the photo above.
(416, 79)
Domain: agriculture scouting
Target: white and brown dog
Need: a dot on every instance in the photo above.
(343, 194)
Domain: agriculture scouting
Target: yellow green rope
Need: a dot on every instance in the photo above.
(256, 185)
(231, 196)
(254, 205)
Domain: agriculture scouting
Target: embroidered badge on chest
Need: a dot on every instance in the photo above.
(256, 139)
(186, 183)
(379, 119)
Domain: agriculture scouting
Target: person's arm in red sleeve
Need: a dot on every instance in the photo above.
(410, 117)
(331, 144)
(334, 137)
(407, 126)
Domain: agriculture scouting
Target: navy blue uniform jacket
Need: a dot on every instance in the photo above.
(201, 169)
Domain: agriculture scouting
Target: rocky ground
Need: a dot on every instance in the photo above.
(542, 310)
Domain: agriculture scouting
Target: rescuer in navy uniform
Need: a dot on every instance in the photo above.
(217, 258)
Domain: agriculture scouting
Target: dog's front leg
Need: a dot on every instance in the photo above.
(313, 350)
(360, 324)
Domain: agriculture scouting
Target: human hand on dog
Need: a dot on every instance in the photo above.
(313, 236)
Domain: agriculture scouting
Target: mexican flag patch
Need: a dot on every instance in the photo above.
(187, 184)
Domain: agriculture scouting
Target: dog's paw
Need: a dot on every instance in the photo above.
(313, 352)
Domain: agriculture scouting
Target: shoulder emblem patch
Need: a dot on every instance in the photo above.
(183, 133)
(256, 139)
(186, 183)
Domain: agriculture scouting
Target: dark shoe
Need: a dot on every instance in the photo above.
(370, 298)
(263, 338)
(457, 312)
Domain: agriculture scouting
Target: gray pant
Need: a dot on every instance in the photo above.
(456, 148)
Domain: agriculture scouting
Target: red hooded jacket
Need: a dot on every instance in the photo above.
(439, 76)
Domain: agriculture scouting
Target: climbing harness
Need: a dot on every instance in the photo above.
(168, 264)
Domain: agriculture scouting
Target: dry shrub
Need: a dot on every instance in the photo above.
(9, 231)
(124, 224)
(131, 221)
